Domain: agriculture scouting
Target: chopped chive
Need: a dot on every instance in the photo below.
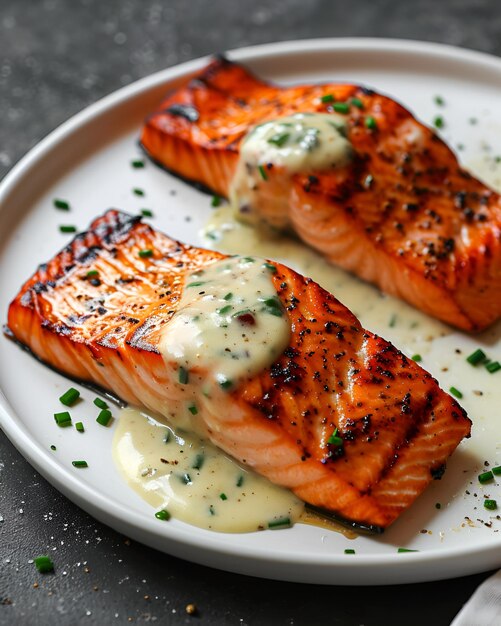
(198, 462)
(356, 102)
(417, 358)
(393, 321)
(92, 274)
(263, 173)
(163, 515)
(138, 192)
(496, 470)
(341, 107)
(80, 464)
(228, 296)
(476, 357)
(335, 439)
(327, 98)
(137, 163)
(100, 403)
(63, 419)
(439, 101)
(247, 259)
(167, 435)
(223, 496)
(80, 427)
(438, 505)
(283, 522)
(193, 409)
(211, 510)
(485, 477)
(370, 123)
(197, 283)
(44, 564)
(273, 306)
(439, 121)
(61, 204)
(53, 447)
(349, 551)
(455, 392)
(186, 478)
(216, 201)
(69, 397)
(495, 366)
(406, 550)
(225, 383)
(240, 480)
(145, 253)
(67, 228)
(279, 139)
(491, 505)
(104, 417)
(271, 267)
(225, 309)
(146, 212)
(183, 375)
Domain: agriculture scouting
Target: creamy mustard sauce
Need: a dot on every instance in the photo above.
(196, 482)
(279, 148)
(230, 323)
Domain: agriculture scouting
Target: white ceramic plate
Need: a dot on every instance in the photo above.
(87, 161)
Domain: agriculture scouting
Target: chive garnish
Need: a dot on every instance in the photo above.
(327, 98)
(283, 522)
(67, 228)
(223, 496)
(225, 309)
(225, 383)
(263, 173)
(495, 366)
(228, 296)
(496, 470)
(356, 102)
(53, 447)
(417, 358)
(491, 505)
(485, 477)
(370, 123)
(439, 121)
(240, 480)
(198, 462)
(439, 101)
(80, 427)
(476, 357)
(183, 375)
(104, 417)
(406, 550)
(211, 510)
(335, 439)
(349, 551)
(247, 259)
(92, 274)
(145, 253)
(163, 515)
(146, 212)
(193, 409)
(393, 320)
(216, 201)
(455, 392)
(271, 267)
(279, 139)
(69, 397)
(100, 403)
(197, 283)
(44, 564)
(273, 306)
(61, 204)
(341, 107)
(80, 464)
(138, 192)
(63, 419)
(137, 163)
(186, 478)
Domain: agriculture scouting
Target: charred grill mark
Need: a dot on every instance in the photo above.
(187, 111)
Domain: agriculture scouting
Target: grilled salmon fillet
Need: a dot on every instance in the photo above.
(398, 427)
(402, 214)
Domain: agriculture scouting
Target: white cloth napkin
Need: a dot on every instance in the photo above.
(484, 606)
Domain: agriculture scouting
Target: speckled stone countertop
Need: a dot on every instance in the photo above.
(56, 57)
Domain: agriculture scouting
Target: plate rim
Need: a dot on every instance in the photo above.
(132, 523)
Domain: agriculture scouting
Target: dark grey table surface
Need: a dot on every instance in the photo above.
(56, 57)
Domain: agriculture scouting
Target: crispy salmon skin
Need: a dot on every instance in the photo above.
(403, 214)
(97, 310)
